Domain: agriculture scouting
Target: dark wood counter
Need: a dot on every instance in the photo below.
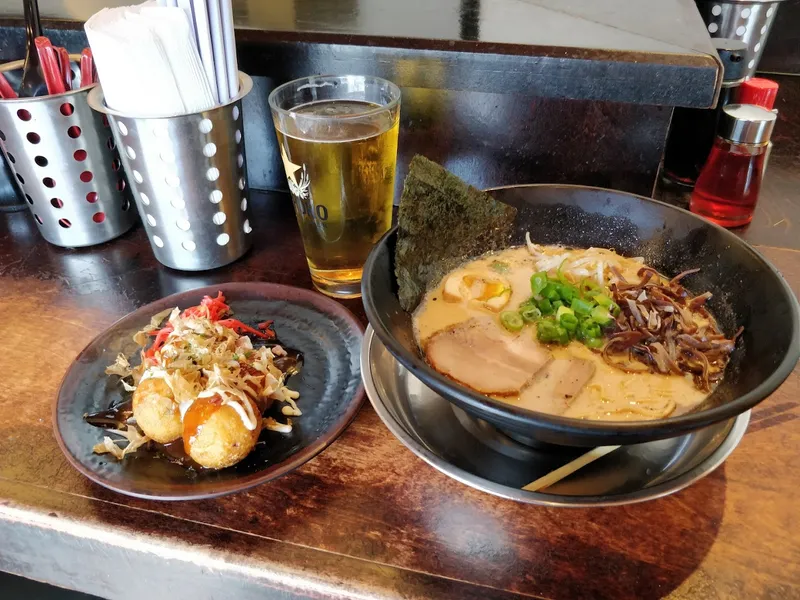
(366, 518)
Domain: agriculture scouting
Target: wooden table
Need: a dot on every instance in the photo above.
(366, 518)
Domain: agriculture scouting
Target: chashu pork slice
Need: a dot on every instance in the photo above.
(557, 385)
(576, 373)
(479, 355)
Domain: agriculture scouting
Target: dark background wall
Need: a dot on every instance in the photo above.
(488, 138)
(782, 53)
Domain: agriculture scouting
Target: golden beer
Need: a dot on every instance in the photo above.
(340, 157)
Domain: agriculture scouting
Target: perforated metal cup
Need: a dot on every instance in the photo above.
(188, 175)
(746, 20)
(64, 161)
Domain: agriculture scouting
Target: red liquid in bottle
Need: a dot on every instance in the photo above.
(728, 186)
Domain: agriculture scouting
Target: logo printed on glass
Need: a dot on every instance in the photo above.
(298, 188)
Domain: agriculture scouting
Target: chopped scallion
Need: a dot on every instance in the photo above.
(549, 332)
(500, 267)
(594, 342)
(538, 282)
(550, 291)
(530, 313)
(569, 322)
(564, 310)
(581, 306)
(602, 300)
(601, 315)
(511, 320)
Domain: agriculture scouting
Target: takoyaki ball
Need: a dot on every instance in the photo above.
(214, 434)
(156, 411)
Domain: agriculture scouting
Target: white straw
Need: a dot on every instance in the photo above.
(203, 32)
(228, 34)
(218, 45)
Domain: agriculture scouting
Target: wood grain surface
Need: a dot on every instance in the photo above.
(366, 518)
(367, 498)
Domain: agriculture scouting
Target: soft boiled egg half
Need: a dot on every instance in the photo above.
(489, 291)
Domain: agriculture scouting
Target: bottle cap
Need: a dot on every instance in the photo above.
(732, 54)
(746, 124)
(758, 91)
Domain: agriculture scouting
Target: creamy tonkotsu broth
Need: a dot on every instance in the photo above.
(459, 330)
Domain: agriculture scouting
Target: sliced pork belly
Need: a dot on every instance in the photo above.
(479, 355)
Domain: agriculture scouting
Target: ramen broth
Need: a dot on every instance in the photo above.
(575, 380)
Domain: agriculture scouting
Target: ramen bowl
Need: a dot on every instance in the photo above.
(747, 291)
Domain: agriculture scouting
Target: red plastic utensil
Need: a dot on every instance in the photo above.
(66, 68)
(6, 91)
(87, 67)
(50, 68)
(66, 75)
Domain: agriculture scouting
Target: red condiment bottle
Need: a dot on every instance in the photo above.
(758, 91)
(730, 181)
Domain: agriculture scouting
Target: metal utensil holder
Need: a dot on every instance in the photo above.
(64, 161)
(746, 20)
(189, 179)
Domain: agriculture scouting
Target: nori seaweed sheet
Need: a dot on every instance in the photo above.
(443, 222)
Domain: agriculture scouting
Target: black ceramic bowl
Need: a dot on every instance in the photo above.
(748, 292)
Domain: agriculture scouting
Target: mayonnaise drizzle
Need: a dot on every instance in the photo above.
(224, 377)
(237, 400)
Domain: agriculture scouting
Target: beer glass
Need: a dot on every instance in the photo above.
(338, 141)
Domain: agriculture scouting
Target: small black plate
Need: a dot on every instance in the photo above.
(329, 384)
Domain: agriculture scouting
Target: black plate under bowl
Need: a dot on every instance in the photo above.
(748, 291)
(329, 384)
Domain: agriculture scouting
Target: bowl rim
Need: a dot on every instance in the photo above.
(557, 424)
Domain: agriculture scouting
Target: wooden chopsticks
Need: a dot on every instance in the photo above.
(569, 468)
